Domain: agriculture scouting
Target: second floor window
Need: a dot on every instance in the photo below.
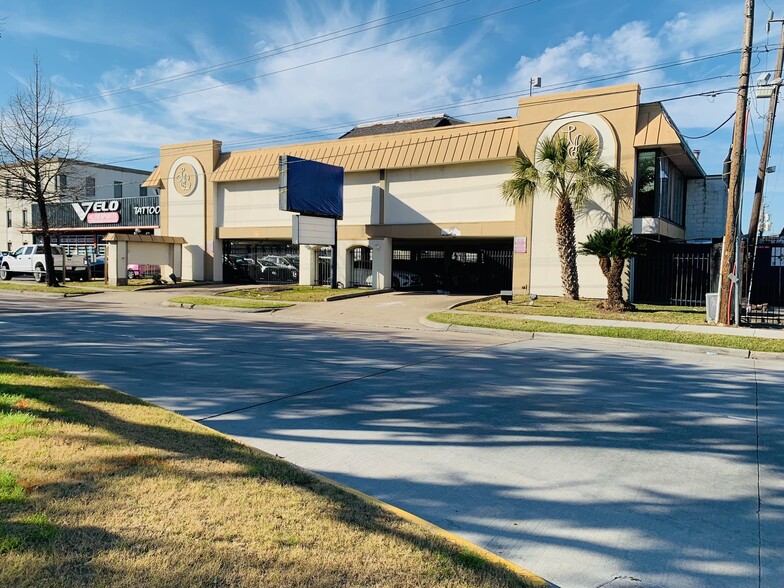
(118, 189)
(61, 182)
(142, 191)
(8, 218)
(89, 187)
(24, 218)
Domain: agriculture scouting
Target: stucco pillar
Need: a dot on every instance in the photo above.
(308, 265)
(382, 263)
(117, 263)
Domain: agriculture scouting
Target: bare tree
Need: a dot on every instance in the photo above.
(37, 147)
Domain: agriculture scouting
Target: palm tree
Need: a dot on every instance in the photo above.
(568, 173)
(613, 247)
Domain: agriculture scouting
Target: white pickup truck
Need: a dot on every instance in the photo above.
(29, 259)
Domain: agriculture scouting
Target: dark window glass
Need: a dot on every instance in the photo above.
(645, 201)
(118, 189)
(8, 219)
(89, 187)
(142, 191)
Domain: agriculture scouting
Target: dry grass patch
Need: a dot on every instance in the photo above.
(102, 489)
(589, 308)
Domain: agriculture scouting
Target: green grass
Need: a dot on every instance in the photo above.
(292, 293)
(588, 308)
(534, 326)
(230, 303)
(36, 287)
(10, 491)
(117, 492)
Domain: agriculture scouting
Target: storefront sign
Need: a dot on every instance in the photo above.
(135, 211)
(98, 212)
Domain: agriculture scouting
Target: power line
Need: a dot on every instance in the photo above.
(361, 152)
(316, 62)
(311, 42)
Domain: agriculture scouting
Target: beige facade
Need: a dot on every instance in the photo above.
(429, 185)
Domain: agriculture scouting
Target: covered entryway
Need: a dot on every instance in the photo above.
(123, 250)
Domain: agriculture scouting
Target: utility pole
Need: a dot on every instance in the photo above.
(733, 192)
(756, 207)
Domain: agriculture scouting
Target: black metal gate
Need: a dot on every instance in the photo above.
(677, 274)
(483, 267)
(765, 303)
(361, 267)
(262, 262)
(325, 266)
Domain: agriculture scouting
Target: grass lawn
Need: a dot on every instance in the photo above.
(534, 326)
(98, 488)
(587, 308)
(35, 287)
(292, 293)
(228, 302)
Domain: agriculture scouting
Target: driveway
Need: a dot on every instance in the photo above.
(586, 463)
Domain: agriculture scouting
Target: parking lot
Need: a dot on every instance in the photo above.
(583, 462)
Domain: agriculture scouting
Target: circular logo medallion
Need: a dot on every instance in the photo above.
(576, 132)
(185, 179)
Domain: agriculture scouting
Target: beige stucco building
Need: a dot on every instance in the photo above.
(423, 208)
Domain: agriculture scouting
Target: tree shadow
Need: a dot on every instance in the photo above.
(632, 461)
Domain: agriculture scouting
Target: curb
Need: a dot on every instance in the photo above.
(222, 308)
(532, 579)
(637, 343)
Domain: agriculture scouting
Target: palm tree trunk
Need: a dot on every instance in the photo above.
(567, 248)
(615, 285)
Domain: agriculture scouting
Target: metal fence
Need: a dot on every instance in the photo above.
(260, 262)
(361, 267)
(457, 266)
(765, 303)
(677, 275)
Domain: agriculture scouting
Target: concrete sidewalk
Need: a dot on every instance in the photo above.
(761, 333)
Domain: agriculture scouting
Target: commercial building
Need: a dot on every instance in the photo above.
(88, 200)
(422, 199)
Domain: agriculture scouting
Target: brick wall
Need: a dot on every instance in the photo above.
(706, 208)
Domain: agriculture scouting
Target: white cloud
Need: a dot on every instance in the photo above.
(286, 92)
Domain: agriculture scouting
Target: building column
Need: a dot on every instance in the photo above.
(382, 263)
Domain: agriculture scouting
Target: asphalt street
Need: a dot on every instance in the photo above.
(587, 463)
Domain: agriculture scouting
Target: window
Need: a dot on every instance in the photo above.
(25, 187)
(9, 185)
(24, 218)
(8, 218)
(661, 188)
(118, 189)
(142, 191)
(89, 187)
(645, 201)
(9, 246)
(61, 182)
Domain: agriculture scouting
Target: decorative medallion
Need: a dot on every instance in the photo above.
(185, 179)
(576, 132)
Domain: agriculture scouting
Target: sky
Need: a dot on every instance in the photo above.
(138, 75)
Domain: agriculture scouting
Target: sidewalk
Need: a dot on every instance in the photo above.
(761, 333)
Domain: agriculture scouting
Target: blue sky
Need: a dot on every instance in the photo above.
(107, 60)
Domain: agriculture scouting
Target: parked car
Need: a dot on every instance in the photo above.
(400, 279)
(136, 271)
(281, 261)
(30, 259)
(270, 272)
(98, 267)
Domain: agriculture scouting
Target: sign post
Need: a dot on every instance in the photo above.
(315, 191)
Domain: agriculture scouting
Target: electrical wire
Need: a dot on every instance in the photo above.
(311, 42)
(310, 63)
(728, 119)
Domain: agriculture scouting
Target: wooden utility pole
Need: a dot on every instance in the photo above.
(756, 207)
(733, 192)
